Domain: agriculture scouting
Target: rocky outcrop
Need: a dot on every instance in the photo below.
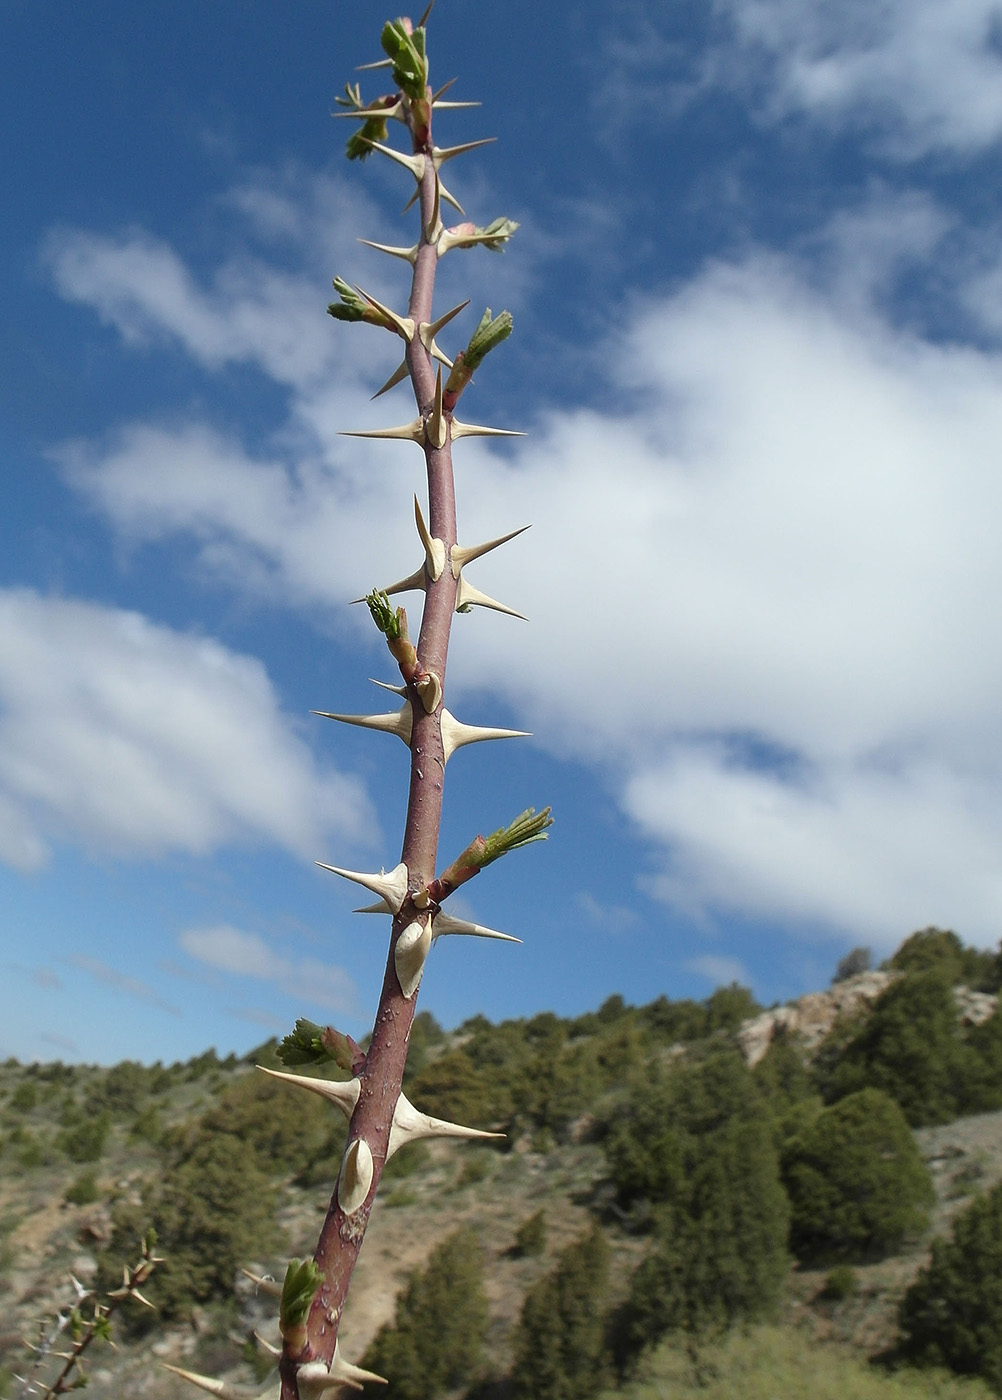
(813, 1016)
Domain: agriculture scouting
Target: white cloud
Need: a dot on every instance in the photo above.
(130, 738)
(763, 591)
(720, 971)
(242, 954)
(132, 987)
(926, 74)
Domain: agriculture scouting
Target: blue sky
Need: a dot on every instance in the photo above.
(757, 293)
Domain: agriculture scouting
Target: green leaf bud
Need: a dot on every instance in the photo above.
(302, 1279)
(405, 46)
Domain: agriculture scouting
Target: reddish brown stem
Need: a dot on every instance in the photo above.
(381, 1078)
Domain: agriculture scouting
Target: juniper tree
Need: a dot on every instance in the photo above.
(381, 1120)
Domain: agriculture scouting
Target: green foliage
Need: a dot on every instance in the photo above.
(451, 1087)
(857, 961)
(718, 1253)
(86, 1140)
(302, 1279)
(215, 1212)
(654, 1138)
(911, 1046)
(530, 1237)
(841, 1284)
(940, 950)
(82, 1191)
(952, 1314)
(728, 1006)
(24, 1097)
(277, 1125)
(405, 46)
(560, 1342)
(784, 1363)
(857, 1182)
(434, 1343)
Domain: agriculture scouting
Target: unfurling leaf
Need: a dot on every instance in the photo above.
(405, 46)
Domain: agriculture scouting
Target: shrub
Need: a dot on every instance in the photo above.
(85, 1141)
(434, 1343)
(451, 1087)
(719, 1248)
(83, 1190)
(841, 1284)
(655, 1137)
(940, 950)
(215, 1212)
(560, 1342)
(952, 1314)
(856, 1180)
(530, 1237)
(857, 961)
(25, 1097)
(912, 1047)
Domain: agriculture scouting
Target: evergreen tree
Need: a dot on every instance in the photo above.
(719, 1250)
(560, 1343)
(434, 1343)
(856, 1180)
(952, 1314)
(912, 1046)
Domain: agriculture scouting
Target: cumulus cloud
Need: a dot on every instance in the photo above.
(761, 588)
(926, 75)
(242, 954)
(130, 738)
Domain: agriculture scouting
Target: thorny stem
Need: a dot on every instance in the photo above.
(341, 1235)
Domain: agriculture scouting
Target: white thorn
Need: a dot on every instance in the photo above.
(418, 579)
(461, 430)
(469, 597)
(444, 924)
(409, 953)
(385, 685)
(408, 254)
(267, 1347)
(415, 164)
(314, 1379)
(455, 734)
(460, 555)
(397, 722)
(344, 1370)
(409, 1125)
(453, 106)
(434, 224)
(364, 113)
(211, 1384)
(355, 1176)
(342, 1093)
(406, 432)
(437, 354)
(392, 886)
(271, 1286)
(404, 324)
(449, 199)
(369, 67)
(440, 155)
(438, 428)
(427, 330)
(430, 690)
(380, 907)
(398, 374)
(434, 550)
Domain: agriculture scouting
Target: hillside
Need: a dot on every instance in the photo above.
(90, 1157)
